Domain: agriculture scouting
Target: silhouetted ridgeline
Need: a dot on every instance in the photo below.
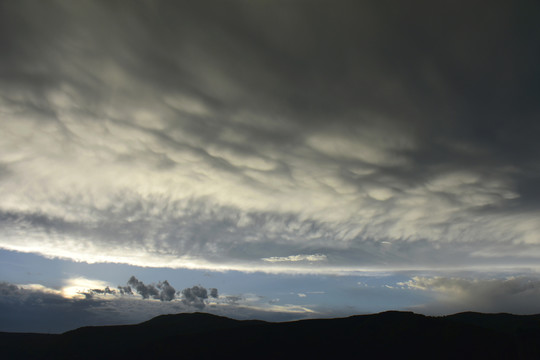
(205, 336)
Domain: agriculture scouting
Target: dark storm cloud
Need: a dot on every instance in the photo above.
(195, 296)
(192, 297)
(145, 291)
(462, 76)
(162, 291)
(167, 292)
(125, 290)
(207, 134)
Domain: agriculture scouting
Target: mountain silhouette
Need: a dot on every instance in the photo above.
(403, 335)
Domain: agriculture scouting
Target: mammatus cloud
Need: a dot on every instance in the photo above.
(518, 295)
(210, 142)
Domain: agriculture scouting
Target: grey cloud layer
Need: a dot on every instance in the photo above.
(220, 134)
(518, 295)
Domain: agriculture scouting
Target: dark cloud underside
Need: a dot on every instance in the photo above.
(216, 134)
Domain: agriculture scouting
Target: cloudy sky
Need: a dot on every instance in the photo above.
(267, 159)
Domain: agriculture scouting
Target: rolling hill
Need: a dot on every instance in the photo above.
(403, 335)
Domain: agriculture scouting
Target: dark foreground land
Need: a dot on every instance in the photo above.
(401, 335)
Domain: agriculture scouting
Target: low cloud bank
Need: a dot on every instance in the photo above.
(518, 295)
(36, 308)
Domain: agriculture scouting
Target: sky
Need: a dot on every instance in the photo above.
(275, 160)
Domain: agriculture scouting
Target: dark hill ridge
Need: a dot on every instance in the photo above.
(389, 334)
(170, 325)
